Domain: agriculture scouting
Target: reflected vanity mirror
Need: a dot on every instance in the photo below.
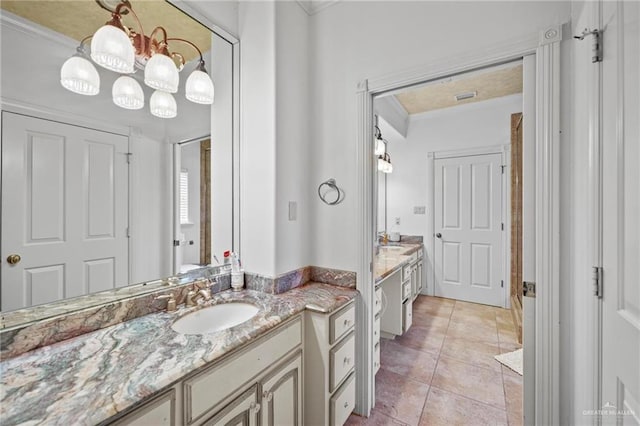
(97, 196)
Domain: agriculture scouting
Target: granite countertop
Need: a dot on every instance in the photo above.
(87, 379)
(390, 259)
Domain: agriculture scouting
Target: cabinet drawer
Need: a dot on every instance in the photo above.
(406, 289)
(407, 315)
(376, 358)
(343, 402)
(376, 329)
(159, 411)
(341, 323)
(203, 392)
(406, 272)
(378, 302)
(342, 359)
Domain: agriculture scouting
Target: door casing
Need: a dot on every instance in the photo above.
(546, 47)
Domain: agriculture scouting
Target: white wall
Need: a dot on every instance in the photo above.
(258, 133)
(356, 40)
(467, 126)
(293, 159)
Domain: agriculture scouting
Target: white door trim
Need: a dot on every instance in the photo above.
(546, 46)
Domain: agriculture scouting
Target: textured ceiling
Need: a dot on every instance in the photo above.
(79, 18)
(490, 84)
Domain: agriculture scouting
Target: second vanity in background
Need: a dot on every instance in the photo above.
(399, 281)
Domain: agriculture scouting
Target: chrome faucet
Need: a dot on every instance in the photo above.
(194, 297)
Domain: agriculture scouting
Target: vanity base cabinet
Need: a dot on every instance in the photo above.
(160, 411)
(282, 394)
(329, 367)
(242, 411)
(391, 320)
(258, 384)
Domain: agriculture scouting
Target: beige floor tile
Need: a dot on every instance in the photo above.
(409, 362)
(422, 338)
(427, 320)
(448, 409)
(399, 397)
(482, 384)
(472, 352)
(375, 419)
(473, 332)
(513, 396)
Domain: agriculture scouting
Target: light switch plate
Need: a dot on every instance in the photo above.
(419, 210)
(293, 211)
(397, 221)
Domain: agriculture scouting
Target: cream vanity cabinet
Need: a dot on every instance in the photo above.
(329, 371)
(258, 384)
(398, 291)
(377, 311)
(417, 276)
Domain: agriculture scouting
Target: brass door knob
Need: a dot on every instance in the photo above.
(13, 259)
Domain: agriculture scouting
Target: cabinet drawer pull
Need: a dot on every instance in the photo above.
(346, 404)
(267, 395)
(347, 360)
(347, 322)
(254, 408)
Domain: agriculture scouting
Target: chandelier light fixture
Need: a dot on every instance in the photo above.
(122, 50)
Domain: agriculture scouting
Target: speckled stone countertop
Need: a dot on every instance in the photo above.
(87, 379)
(392, 257)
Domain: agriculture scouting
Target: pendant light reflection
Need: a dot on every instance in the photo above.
(111, 48)
(163, 105)
(117, 47)
(80, 76)
(199, 87)
(127, 93)
(161, 73)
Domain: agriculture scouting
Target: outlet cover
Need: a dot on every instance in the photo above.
(293, 211)
(419, 210)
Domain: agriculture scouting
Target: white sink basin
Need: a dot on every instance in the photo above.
(215, 318)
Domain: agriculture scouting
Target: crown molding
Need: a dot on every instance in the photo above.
(311, 7)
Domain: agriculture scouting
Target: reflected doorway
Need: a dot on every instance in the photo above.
(192, 204)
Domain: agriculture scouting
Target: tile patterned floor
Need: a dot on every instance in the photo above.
(442, 371)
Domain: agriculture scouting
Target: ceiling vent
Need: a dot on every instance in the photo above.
(467, 95)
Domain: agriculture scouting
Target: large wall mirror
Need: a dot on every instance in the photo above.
(96, 197)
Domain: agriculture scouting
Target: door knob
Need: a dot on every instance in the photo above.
(439, 235)
(12, 259)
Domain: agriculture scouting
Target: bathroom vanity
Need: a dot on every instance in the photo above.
(142, 371)
(399, 281)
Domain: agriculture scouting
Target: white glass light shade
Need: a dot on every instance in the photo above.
(381, 164)
(161, 73)
(380, 148)
(80, 76)
(112, 49)
(163, 105)
(199, 88)
(389, 168)
(127, 93)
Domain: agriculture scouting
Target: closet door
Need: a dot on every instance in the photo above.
(64, 211)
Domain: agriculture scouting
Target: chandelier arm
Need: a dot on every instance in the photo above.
(189, 43)
(128, 7)
(157, 30)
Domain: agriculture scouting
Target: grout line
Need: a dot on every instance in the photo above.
(474, 400)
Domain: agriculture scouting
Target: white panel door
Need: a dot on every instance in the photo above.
(64, 211)
(621, 213)
(468, 217)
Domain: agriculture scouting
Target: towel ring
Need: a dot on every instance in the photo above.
(331, 186)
